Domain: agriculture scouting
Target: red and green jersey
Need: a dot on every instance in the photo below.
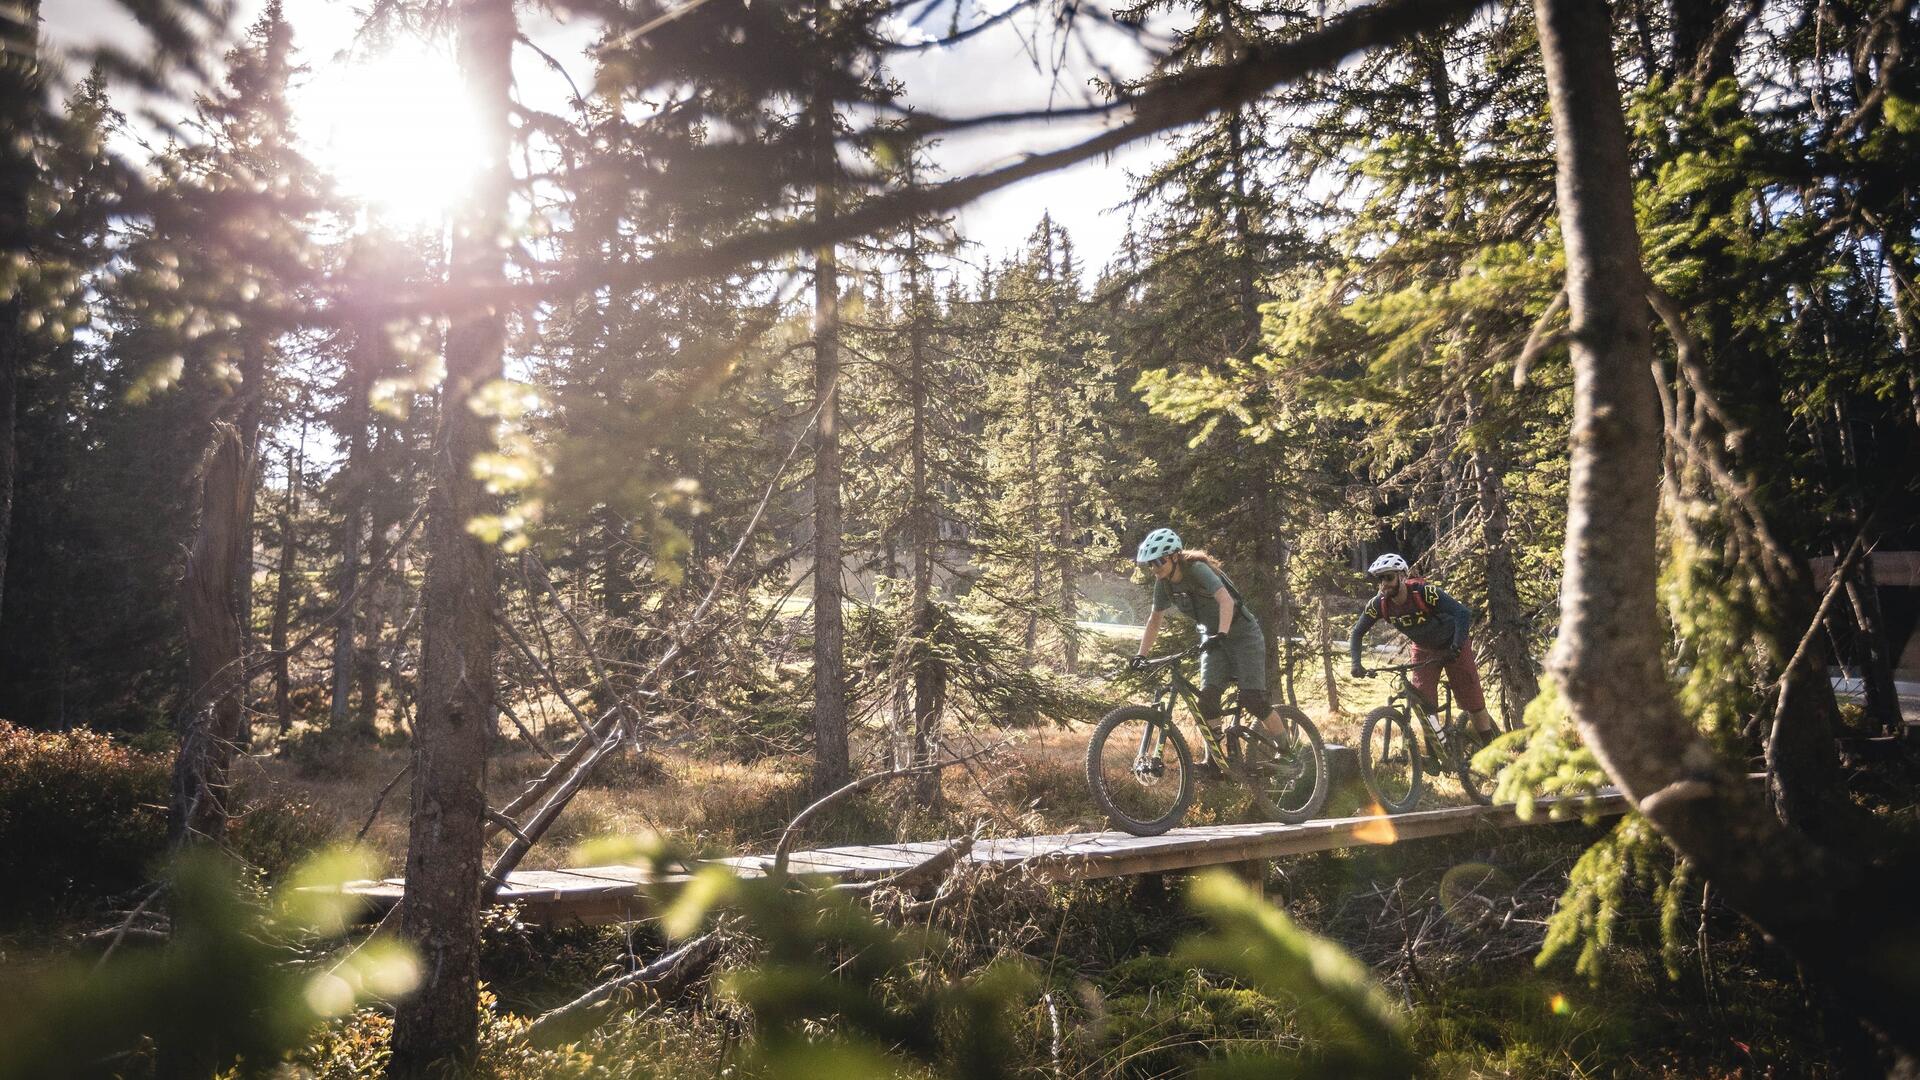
(1427, 616)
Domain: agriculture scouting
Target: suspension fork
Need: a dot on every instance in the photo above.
(1154, 739)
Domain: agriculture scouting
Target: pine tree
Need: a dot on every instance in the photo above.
(438, 1026)
(1049, 516)
(920, 488)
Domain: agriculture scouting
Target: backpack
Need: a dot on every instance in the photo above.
(1424, 595)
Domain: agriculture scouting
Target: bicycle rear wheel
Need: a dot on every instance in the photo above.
(1290, 772)
(1140, 770)
(1390, 760)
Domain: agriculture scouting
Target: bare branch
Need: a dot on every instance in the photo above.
(1538, 340)
(792, 831)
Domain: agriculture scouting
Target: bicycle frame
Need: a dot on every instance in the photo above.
(1439, 740)
(1177, 689)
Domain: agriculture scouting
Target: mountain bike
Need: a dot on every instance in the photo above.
(1142, 772)
(1395, 766)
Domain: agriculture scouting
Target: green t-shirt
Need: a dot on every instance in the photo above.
(1193, 595)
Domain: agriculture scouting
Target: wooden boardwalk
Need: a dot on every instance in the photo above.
(605, 894)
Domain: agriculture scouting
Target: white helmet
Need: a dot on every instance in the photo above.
(1159, 543)
(1387, 562)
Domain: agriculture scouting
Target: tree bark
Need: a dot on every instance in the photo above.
(1506, 637)
(1803, 765)
(12, 357)
(1882, 696)
(253, 391)
(1289, 621)
(437, 1029)
(1326, 655)
(20, 100)
(366, 663)
(283, 586)
(1839, 921)
(198, 804)
(1069, 568)
(1266, 595)
(929, 679)
(831, 768)
(353, 484)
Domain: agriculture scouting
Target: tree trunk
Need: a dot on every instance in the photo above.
(12, 358)
(1289, 624)
(929, 678)
(1266, 594)
(1506, 637)
(616, 576)
(1882, 697)
(831, 767)
(283, 586)
(436, 1030)
(1830, 915)
(253, 391)
(20, 99)
(1326, 655)
(354, 489)
(197, 808)
(372, 619)
(1035, 524)
(1803, 766)
(1876, 657)
(1069, 572)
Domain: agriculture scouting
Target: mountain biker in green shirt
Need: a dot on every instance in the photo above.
(1232, 647)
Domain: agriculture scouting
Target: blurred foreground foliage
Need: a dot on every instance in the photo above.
(244, 977)
(835, 990)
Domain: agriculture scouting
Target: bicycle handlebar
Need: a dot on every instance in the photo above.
(1396, 669)
(1159, 662)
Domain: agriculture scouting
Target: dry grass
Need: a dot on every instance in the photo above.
(1035, 784)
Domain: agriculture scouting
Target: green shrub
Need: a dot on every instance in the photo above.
(81, 817)
(276, 833)
(326, 751)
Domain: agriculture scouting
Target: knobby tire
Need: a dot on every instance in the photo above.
(1395, 734)
(1290, 811)
(1098, 779)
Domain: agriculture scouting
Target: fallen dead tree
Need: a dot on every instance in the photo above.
(666, 978)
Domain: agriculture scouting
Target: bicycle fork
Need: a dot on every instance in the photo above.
(1146, 759)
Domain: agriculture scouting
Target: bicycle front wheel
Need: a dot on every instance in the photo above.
(1479, 768)
(1140, 770)
(1290, 772)
(1390, 760)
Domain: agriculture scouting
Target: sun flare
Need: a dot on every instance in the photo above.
(397, 131)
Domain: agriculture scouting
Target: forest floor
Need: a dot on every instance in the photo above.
(1465, 974)
(1719, 1002)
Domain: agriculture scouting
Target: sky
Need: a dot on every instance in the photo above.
(373, 119)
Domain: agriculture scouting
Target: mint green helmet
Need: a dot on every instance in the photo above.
(1159, 542)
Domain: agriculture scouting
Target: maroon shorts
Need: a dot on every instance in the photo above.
(1463, 674)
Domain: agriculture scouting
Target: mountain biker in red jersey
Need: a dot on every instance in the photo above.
(1437, 624)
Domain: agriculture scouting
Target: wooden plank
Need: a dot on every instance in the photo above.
(599, 894)
(883, 857)
(814, 864)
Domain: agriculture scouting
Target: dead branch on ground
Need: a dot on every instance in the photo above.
(665, 978)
